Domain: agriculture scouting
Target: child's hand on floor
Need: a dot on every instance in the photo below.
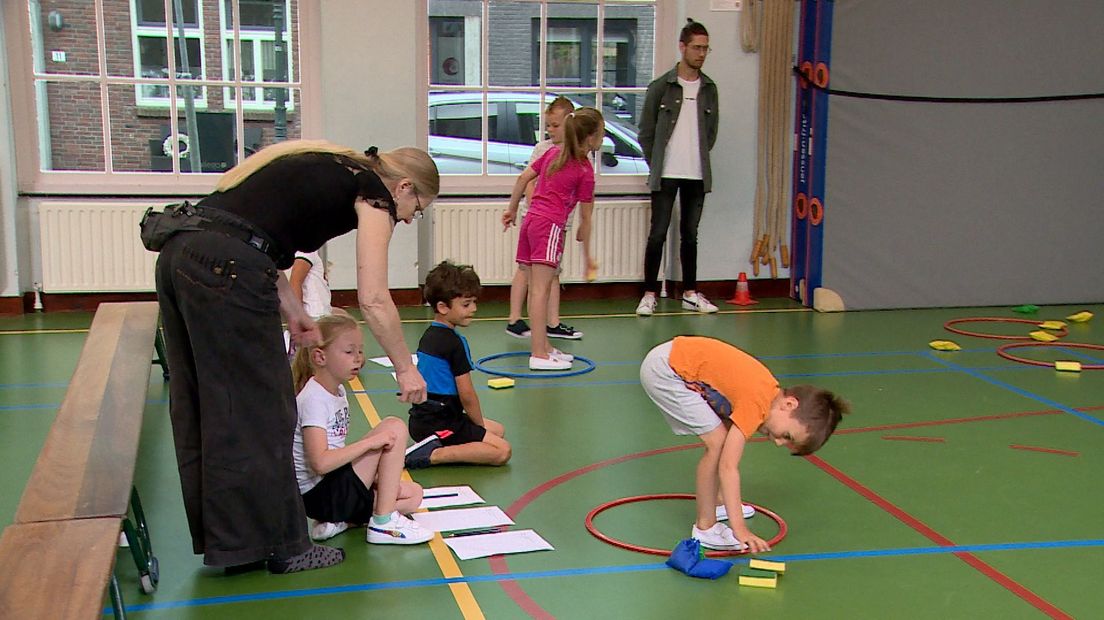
(754, 543)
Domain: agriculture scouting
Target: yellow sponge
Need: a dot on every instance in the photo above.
(1067, 366)
(771, 565)
(1042, 336)
(758, 578)
(500, 383)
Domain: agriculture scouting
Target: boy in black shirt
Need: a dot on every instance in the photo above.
(451, 420)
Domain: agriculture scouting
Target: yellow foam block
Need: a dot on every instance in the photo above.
(1042, 336)
(758, 578)
(500, 383)
(1052, 325)
(1080, 317)
(944, 345)
(1067, 366)
(771, 565)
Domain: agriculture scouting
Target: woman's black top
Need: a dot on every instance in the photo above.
(302, 201)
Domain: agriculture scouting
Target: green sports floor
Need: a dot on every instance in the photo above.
(964, 485)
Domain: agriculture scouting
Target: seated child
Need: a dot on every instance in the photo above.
(711, 389)
(344, 483)
(452, 419)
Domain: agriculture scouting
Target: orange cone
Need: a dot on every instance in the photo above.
(743, 296)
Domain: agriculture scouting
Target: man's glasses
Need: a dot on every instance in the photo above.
(704, 49)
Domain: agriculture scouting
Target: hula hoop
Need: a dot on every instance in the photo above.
(782, 529)
(590, 365)
(1003, 352)
(954, 330)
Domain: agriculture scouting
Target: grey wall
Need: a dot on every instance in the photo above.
(953, 204)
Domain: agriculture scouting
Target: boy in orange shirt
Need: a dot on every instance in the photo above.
(711, 389)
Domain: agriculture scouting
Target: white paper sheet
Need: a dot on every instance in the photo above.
(483, 545)
(462, 519)
(386, 361)
(440, 497)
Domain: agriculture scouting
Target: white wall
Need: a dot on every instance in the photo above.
(9, 263)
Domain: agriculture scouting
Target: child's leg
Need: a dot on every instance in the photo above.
(518, 291)
(554, 301)
(410, 497)
(384, 467)
(493, 450)
(495, 428)
(707, 481)
(540, 283)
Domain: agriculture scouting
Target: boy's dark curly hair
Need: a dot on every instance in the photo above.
(820, 411)
(447, 281)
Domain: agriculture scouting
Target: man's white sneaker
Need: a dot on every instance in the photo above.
(399, 530)
(722, 513)
(698, 303)
(551, 363)
(325, 530)
(647, 305)
(719, 536)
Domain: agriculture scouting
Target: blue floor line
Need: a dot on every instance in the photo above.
(1022, 392)
(600, 570)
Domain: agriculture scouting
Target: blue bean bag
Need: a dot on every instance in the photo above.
(689, 558)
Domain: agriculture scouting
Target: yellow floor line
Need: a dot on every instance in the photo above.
(465, 600)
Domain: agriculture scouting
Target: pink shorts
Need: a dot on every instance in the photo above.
(540, 241)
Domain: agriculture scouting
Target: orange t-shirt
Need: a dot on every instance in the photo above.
(733, 383)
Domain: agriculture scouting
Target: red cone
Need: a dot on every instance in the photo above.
(743, 296)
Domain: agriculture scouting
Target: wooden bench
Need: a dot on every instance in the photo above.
(82, 484)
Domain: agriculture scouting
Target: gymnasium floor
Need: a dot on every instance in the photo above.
(962, 486)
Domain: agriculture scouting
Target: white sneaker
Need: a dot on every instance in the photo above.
(719, 536)
(722, 513)
(698, 303)
(560, 355)
(647, 305)
(399, 530)
(324, 530)
(552, 363)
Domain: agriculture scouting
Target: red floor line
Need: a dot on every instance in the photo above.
(1007, 582)
(500, 566)
(908, 438)
(1017, 446)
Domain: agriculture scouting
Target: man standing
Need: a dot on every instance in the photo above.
(677, 130)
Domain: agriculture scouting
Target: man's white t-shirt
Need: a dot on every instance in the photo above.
(318, 407)
(316, 290)
(683, 157)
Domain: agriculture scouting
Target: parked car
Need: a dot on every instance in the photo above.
(513, 124)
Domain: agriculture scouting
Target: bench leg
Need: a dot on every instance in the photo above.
(141, 547)
(162, 359)
(117, 607)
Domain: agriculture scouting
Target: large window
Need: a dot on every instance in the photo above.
(168, 86)
(496, 64)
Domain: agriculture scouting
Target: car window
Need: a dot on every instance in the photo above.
(463, 120)
(622, 147)
(530, 130)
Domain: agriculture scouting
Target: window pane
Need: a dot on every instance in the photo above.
(68, 47)
(137, 142)
(262, 14)
(512, 43)
(572, 36)
(152, 12)
(73, 126)
(154, 64)
(454, 37)
(629, 44)
(456, 133)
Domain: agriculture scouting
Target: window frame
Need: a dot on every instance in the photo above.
(487, 184)
(257, 36)
(24, 81)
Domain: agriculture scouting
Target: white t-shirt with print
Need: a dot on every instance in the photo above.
(316, 290)
(683, 157)
(318, 407)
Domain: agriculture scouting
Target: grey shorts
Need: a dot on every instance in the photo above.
(685, 410)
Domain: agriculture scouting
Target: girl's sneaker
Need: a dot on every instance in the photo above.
(399, 530)
(722, 513)
(647, 305)
(324, 530)
(560, 355)
(719, 537)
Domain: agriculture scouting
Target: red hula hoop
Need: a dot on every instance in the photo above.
(1003, 352)
(987, 319)
(782, 528)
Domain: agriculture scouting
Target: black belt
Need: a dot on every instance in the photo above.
(248, 235)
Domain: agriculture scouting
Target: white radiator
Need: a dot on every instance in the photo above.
(90, 247)
(471, 234)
